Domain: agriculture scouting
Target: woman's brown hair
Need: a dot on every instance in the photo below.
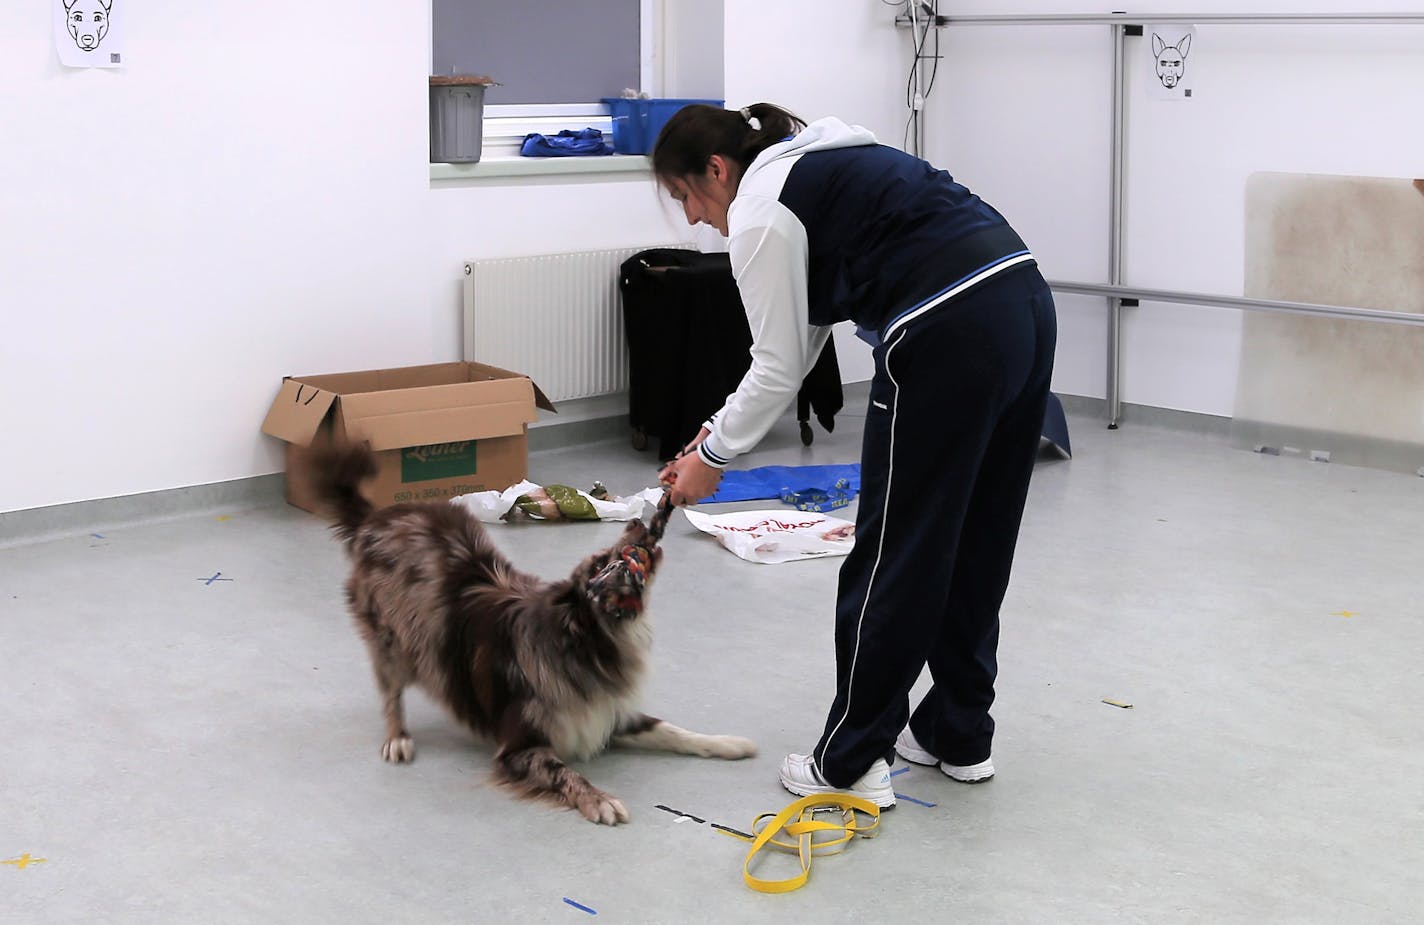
(698, 131)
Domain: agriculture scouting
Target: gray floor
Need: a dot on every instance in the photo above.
(180, 750)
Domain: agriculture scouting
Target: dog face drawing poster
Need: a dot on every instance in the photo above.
(89, 33)
(1169, 75)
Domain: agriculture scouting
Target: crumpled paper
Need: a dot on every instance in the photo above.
(494, 507)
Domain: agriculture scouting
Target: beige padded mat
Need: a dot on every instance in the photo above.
(1333, 240)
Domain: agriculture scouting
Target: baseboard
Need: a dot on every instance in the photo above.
(582, 421)
(1274, 439)
(1194, 422)
(1328, 446)
(42, 523)
(605, 417)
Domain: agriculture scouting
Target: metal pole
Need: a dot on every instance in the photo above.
(1116, 193)
(1115, 292)
(1208, 300)
(1096, 19)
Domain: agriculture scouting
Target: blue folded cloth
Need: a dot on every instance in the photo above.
(586, 142)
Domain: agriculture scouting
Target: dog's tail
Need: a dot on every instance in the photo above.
(335, 475)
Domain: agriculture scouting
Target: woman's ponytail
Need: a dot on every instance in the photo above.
(698, 131)
(769, 124)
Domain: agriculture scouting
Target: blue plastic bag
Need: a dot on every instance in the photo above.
(820, 500)
(775, 481)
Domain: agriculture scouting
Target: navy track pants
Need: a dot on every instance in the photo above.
(951, 434)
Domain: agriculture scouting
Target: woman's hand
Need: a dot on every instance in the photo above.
(688, 477)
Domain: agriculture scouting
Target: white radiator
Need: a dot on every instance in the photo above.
(556, 317)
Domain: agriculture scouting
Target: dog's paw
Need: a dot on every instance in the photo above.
(399, 750)
(601, 808)
(729, 747)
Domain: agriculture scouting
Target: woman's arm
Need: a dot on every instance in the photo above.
(768, 251)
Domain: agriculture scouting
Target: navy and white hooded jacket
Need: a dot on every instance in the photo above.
(830, 226)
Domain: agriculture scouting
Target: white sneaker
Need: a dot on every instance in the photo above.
(909, 748)
(969, 773)
(800, 775)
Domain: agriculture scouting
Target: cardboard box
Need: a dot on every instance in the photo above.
(438, 431)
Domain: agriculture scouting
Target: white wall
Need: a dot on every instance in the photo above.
(1021, 114)
(690, 57)
(841, 58)
(248, 198)
(235, 205)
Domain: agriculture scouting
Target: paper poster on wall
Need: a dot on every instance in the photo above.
(1170, 73)
(89, 33)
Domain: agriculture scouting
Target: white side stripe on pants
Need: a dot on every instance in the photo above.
(879, 553)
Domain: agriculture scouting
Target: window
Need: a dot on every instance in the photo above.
(554, 59)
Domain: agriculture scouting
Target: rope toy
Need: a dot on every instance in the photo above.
(618, 588)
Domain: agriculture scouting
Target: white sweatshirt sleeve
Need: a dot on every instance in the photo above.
(768, 251)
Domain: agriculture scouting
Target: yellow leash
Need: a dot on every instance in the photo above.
(799, 822)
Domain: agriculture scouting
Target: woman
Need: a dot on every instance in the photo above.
(825, 225)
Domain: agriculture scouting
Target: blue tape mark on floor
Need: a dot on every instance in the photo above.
(97, 536)
(216, 577)
(579, 906)
(901, 796)
(899, 772)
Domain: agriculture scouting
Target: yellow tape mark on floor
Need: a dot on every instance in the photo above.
(23, 861)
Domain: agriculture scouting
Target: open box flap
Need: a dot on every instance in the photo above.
(297, 412)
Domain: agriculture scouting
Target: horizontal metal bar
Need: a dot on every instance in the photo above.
(1222, 301)
(1117, 19)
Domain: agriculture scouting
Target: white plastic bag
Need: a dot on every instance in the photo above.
(771, 537)
(629, 508)
(492, 506)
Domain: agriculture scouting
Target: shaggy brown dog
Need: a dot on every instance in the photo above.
(549, 671)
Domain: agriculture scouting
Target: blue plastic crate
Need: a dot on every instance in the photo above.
(636, 123)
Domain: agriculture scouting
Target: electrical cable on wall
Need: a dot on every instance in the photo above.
(923, 17)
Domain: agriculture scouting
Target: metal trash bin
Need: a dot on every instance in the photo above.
(457, 111)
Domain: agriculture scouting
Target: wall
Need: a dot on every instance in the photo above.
(1022, 115)
(816, 58)
(226, 210)
(692, 57)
